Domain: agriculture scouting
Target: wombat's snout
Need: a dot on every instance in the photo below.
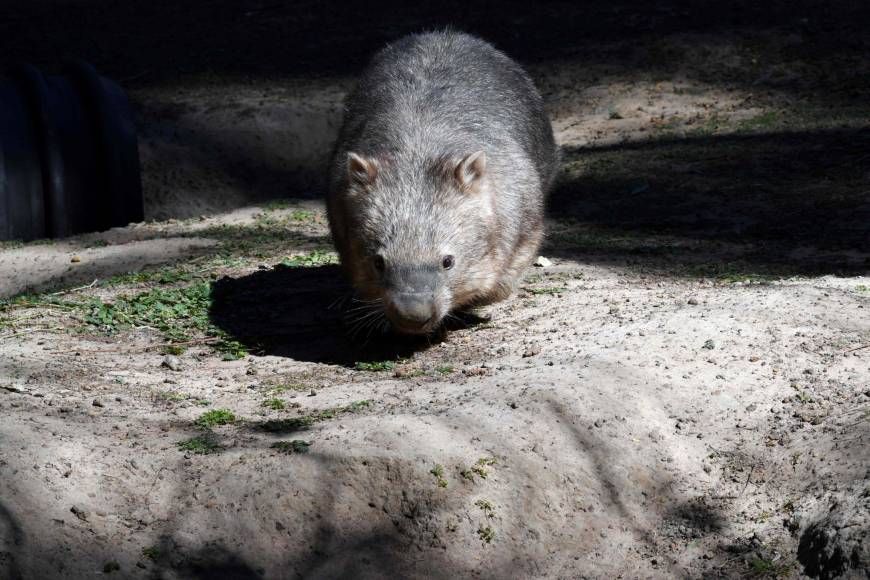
(412, 311)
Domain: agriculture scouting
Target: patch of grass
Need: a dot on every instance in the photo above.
(486, 506)
(764, 121)
(177, 397)
(151, 552)
(412, 374)
(274, 404)
(13, 244)
(438, 472)
(766, 567)
(375, 367)
(168, 275)
(294, 446)
(214, 418)
(446, 369)
(172, 396)
(287, 425)
(277, 204)
(285, 387)
(487, 534)
(804, 398)
(480, 468)
(862, 288)
(303, 215)
(311, 259)
(546, 290)
(199, 446)
(356, 406)
(296, 423)
(178, 313)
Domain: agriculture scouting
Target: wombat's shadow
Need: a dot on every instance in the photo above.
(300, 313)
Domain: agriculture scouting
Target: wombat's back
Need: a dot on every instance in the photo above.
(441, 92)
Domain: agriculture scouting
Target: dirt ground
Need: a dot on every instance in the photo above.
(684, 392)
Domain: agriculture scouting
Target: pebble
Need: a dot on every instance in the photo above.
(172, 362)
(543, 262)
(97, 403)
(693, 301)
(79, 513)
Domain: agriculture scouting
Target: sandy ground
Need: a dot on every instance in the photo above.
(683, 393)
(637, 425)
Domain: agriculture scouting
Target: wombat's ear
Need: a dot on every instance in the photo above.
(361, 171)
(470, 171)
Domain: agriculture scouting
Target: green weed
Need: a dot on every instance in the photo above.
(199, 446)
(275, 404)
(294, 446)
(438, 472)
(214, 418)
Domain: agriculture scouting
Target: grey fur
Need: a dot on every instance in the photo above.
(399, 188)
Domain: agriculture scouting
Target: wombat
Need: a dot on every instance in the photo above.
(438, 178)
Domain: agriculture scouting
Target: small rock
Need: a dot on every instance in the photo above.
(693, 301)
(79, 513)
(97, 403)
(172, 362)
(532, 351)
(543, 262)
(75, 259)
(709, 344)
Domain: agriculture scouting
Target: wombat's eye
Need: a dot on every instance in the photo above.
(379, 263)
(447, 262)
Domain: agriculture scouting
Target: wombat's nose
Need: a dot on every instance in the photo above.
(413, 309)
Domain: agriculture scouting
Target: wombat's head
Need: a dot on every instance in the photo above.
(419, 234)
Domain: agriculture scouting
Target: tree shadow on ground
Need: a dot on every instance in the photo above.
(11, 540)
(761, 204)
(301, 312)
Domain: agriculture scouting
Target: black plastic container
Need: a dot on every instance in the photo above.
(69, 157)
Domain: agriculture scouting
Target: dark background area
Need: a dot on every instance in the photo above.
(142, 43)
(796, 188)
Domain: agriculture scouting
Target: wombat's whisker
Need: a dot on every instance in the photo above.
(364, 320)
(364, 307)
(340, 301)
